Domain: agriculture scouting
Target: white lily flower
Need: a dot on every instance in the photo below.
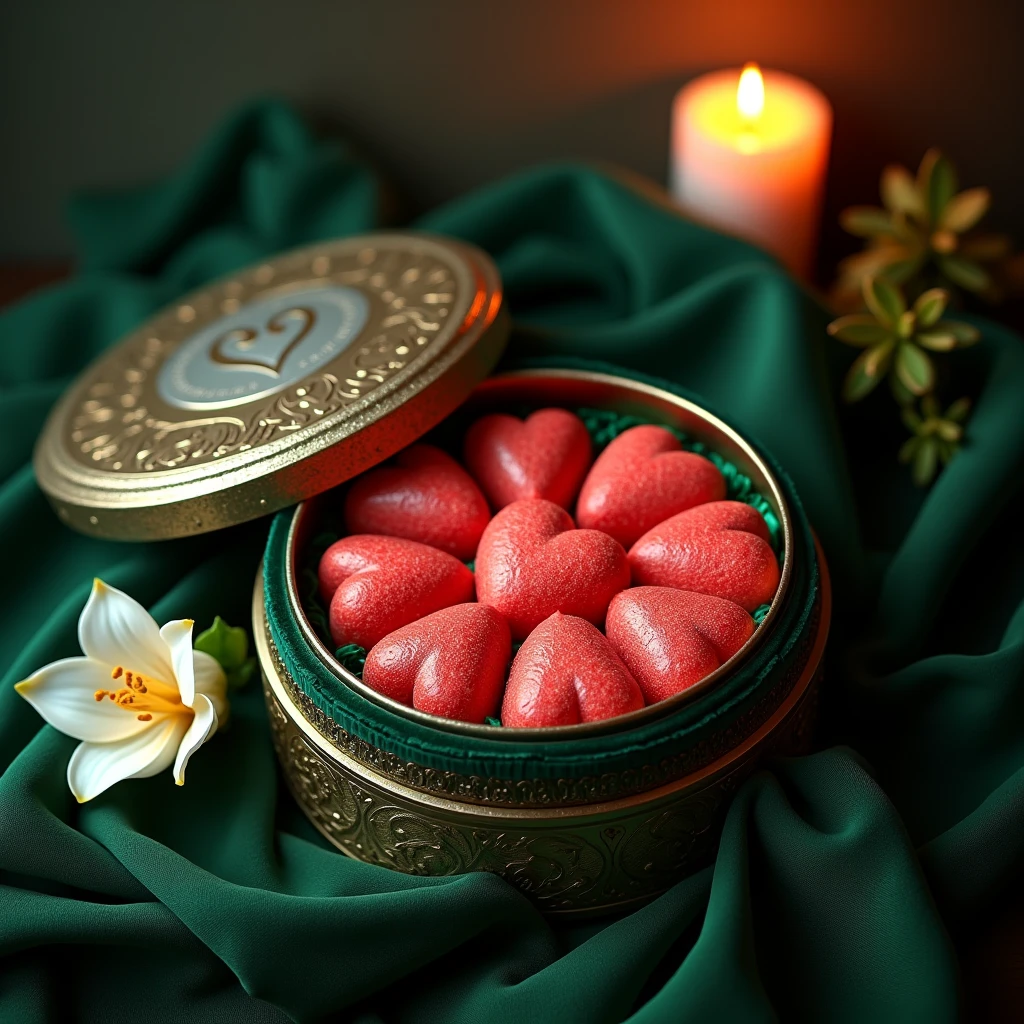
(140, 700)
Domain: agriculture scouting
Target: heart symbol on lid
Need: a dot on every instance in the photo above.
(641, 479)
(532, 562)
(450, 663)
(425, 496)
(544, 456)
(670, 639)
(721, 548)
(565, 673)
(264, 349)
(376, 585)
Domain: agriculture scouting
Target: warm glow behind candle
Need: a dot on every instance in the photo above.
(757, 173)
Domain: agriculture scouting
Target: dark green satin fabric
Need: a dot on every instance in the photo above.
(847, 884)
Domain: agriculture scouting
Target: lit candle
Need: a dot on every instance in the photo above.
(749, 155)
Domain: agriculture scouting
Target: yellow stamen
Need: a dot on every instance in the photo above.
(141, 699)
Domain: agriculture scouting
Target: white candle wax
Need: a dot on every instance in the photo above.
(759, 174)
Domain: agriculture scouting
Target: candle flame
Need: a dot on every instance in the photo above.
(750, 93)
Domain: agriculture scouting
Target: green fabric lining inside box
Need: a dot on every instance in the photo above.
(621, 751)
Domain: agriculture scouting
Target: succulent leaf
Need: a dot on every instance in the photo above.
(867, 370)
(924, 464)
(930, 306)
(903, 270)
(934, 438)
(936, 341)
(964, 210)
(911, 420)
(914, 369)
(884, 300)
(900, 192)
(936, 179)
(965, 334)
(909, 448)
(958, 410)
(858, 329)
(866, 221)
(965, 273)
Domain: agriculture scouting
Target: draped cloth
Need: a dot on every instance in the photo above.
(850, 885)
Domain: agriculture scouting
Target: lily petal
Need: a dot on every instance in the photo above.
(203, 726)
(114, 629)
(95, 767)
(64, 693)
(211, 681)
(177, 636)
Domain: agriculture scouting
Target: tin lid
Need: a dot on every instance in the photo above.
(271, 385)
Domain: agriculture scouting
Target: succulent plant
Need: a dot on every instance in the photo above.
(935, 439)
(920, 236)
(897, 339)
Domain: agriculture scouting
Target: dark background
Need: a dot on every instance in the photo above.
(443, 95)
(446, 94)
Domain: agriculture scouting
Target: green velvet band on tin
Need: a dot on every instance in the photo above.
(685, 728)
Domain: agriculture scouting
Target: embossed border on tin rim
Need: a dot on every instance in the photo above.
(621, 722)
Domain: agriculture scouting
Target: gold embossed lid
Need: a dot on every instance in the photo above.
(272, 385)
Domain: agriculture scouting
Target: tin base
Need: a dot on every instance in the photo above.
(584, 859)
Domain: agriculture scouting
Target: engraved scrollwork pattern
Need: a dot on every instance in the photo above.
(561, 866)
(116, 426)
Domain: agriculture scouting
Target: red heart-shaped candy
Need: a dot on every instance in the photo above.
(544, 456)
(450, 663)
(641, 479)
(720, 548)
(670, 639)
(567, 672)
(376, 585)
(532, 562)
(426, 496)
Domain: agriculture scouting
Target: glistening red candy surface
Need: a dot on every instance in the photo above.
(545, 456)
(532, 562)
(451, 663)
(721, 549)
(670, 639)
(641, 479)
(565, 673)
(376, 585)
(425, 496)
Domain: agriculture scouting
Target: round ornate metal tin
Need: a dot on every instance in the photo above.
(584, 819)
(230, 403)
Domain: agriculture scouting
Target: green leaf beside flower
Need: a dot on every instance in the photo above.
(229, 645)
